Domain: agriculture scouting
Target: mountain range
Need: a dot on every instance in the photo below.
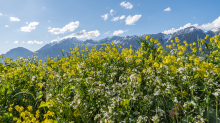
(53, 49)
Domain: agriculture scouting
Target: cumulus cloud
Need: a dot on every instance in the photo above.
(6, 26)
(30, 27)
(26, 22)
(22, 42)
(131, 20)
(167, 9)
(111, 12)
(0, 14)
(49, 27)
(16, 42)
(14, 19)
(122, 17)
(126, 5)
(119, 32)
(68, 28)
(105, 16)
(83, 34)
(209, 26)
(34, 42)
(115, 19)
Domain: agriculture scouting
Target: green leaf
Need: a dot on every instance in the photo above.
(38, 95)
(126, 103)
(45, 104)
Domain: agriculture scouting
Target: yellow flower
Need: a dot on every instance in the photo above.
(171, 41)
(15, 118)
(194, 43)
(158, 44)
(148, 36)
(10, 109)
(30, 108)
(22, 114)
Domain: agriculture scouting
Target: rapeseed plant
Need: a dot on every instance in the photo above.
(149, 85)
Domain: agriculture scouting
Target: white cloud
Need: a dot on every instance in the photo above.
(43, 8)
(119, 32)
(26, 22)
(49, 21)
(16, 42)
(30, 27)
(23, 42)
(115, 19)
(6, 42)
(111, 12)
(131, 20)
(14, 19)
(49, 27)
(167, 9)
(6, 26)
(126, 5)
(68, 28)
(107, 32)
(122, 17)
(0, 14)
(36, 42)
(194, 17)
(83, 34)
(105, 16)
(209, 26)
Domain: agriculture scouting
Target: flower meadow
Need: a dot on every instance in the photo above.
(166, 85)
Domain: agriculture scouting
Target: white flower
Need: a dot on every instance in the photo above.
(215, 94)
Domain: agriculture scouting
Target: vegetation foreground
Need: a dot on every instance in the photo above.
(151, 86)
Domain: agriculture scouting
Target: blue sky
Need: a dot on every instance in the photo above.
(33, 23)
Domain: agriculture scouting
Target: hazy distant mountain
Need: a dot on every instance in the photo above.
(19, 51)
(53, 49)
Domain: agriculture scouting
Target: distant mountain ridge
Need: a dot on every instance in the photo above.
(54, 49)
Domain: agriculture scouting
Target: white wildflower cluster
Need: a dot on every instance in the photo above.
(160, 111)
(172, 52)
(181, 70)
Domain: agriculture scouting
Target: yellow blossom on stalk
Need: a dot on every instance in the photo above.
(171, 41)
(156, 64)
(158, 44)
(214, 52)
(180, 53)
(30, 108)
(170, 46)
(174, 44)
(142, 44)
(148, 36)
(155, 41)
(202, 41)
(151, 40)
(194, 43)
(200, 49)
